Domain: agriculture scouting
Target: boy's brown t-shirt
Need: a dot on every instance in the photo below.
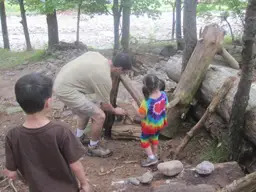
(43, 156)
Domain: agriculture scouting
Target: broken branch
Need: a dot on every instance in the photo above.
(110, 171)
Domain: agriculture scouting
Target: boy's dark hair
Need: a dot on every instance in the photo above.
(32, 91)
(161, 85)
(123, 60)
(150, 84)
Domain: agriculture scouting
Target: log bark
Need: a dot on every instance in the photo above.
(125, 41)
(211, 109)
(245, 184)
(110, 118)
(232, 62)
(78, 22)
(192, 77)
(136, 95)
(178, 25)
(116, 9)
(214, 78)
(124, 131)
(53, 32)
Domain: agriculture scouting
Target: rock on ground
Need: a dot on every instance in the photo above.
(205, 168)
(146, 178)
(170, 168)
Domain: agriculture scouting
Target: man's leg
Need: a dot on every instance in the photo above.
(94, 149)
(82, 123)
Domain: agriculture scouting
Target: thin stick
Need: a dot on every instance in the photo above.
(12, 185)
(110, 171)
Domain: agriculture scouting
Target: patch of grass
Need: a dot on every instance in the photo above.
(227, 40)
(215, 152)
(10, 59)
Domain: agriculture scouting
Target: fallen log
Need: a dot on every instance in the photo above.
(211, 109)
(232, 62)
(124, 131)
(214, 78)
(245, 184)
(192, 77)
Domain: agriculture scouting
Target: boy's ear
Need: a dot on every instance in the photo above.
(48, 103)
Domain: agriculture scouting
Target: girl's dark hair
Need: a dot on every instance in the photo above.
(150, 84)
(161, 85)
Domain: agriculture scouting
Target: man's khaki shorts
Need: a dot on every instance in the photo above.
(79, 103)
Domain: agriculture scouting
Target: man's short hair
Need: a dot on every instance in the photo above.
(123, 60)
(32, 91)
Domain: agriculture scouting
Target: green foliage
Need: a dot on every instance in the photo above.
(215, 152)
(149, 7)
(11, 59)
(227, 40)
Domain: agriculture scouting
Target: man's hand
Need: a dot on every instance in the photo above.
(119, 111)
(10, 174)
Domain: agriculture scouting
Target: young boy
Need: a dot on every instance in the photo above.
(46, 153)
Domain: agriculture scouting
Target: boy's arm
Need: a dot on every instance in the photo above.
(10, 165)
(78, 170)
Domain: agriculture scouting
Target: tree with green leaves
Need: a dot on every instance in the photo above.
(4, 25)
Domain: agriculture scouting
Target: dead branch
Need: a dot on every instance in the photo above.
(3, 180)
(211, 108)
(244, 184)
(136, 95)
(110, 171)
(12, 185)
(130, 162)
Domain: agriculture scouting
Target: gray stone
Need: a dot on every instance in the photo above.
(170, 168)
(12, 110)
(133, 181)
(146, 178)
(205, 168)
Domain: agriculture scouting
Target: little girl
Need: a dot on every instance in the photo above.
(153, 114)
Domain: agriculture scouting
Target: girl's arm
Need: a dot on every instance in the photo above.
(134, 104)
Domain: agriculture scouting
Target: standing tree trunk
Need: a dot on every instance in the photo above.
(53, 34)
(173, 19)
(237, 119)
(178, 25)
(192, 77)
(189, 30)
(24, 24)
(126, 25)
(4, 25)
(78, 21)
(116, 14)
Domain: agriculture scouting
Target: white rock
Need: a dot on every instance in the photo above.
(133, 181)
(170, 168)
(205, 168)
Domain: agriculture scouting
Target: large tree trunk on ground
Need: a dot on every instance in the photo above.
(193, 75)
(245, 184)
(4, 25)
(178, 25)
(24, 24)
(78, 21)
(213, 80)
(237, 119)
(116, 15)
(53, 33)
(189, 30)
(126, 25)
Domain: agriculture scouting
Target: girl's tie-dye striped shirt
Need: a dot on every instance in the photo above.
(155, 111)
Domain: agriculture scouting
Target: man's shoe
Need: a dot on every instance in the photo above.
(148, 162)
(98, 151)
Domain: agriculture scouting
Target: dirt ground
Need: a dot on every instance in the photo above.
(104, 174)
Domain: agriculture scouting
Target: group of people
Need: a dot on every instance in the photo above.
(46, 152)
